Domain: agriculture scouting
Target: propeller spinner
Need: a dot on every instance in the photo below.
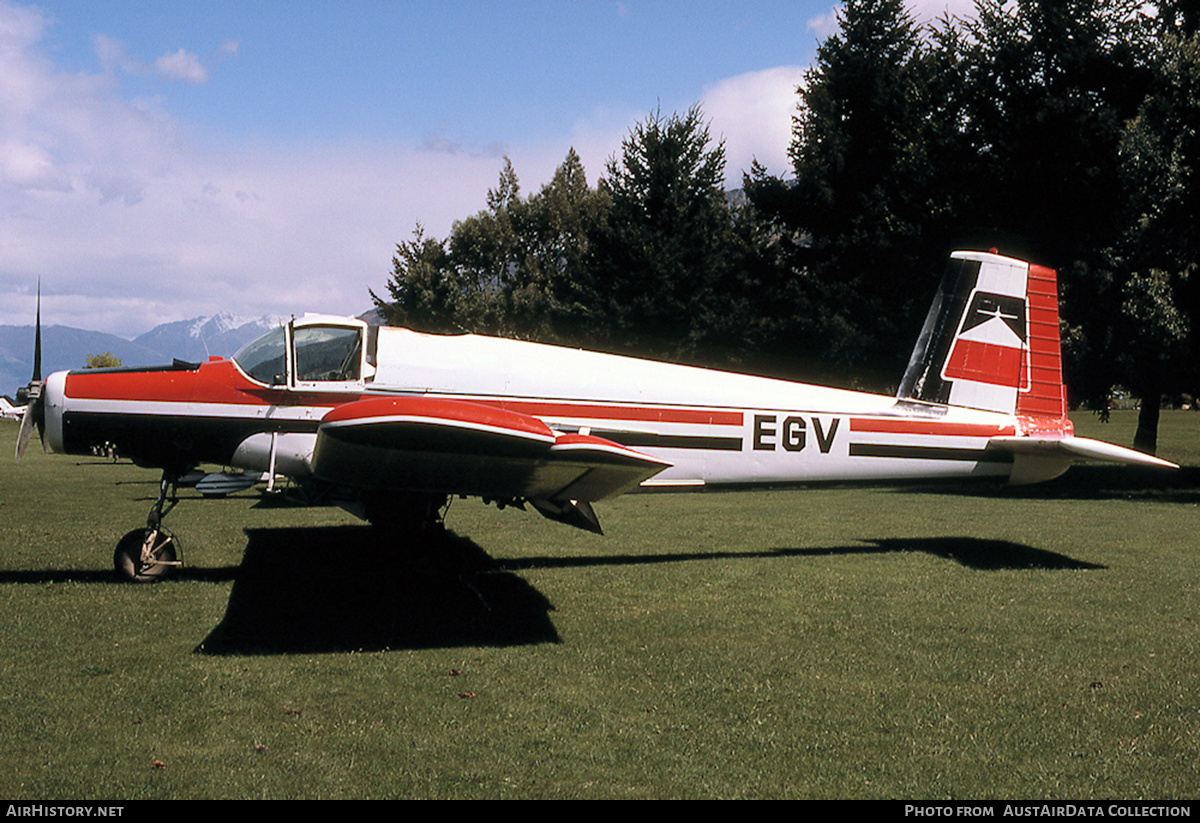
(35, 407)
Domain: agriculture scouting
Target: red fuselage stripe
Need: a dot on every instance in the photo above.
(653, 414)
(220, 383)
(928, 427)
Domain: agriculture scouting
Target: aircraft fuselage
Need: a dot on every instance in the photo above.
(716, 429)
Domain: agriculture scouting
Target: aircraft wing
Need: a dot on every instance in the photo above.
(413, 443)
(1042, 458)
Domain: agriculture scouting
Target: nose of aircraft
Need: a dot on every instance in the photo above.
(53, 404)
(46, 404)
(34, 416)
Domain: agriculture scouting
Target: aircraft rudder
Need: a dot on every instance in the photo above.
(1042, 393)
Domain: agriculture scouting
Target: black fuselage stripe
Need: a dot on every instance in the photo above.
(162, 438)
(926, 453)
(649, 440)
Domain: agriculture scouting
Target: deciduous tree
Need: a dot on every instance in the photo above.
(106, 360)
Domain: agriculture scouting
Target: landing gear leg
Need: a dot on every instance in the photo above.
(150, 554)
(407, 513)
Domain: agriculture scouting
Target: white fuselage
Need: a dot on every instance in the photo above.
(715, 428)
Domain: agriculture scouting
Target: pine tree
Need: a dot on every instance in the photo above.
(858, 253)
(668, 242)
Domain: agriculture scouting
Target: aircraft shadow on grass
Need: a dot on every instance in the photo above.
(972, 552)
(347, 588)
(343, 588)
(1090, 483)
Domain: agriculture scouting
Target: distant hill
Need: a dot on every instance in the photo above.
(64, 347)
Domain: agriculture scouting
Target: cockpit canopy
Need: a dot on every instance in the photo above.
(314, 350)
(265, 359)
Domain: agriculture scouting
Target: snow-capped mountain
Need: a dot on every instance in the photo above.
(197, 339)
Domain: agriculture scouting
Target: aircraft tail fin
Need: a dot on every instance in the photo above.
(991, 340)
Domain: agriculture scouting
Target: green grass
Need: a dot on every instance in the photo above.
(872, 643)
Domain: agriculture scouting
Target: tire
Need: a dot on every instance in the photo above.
(127, 559)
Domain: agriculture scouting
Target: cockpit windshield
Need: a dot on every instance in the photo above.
(265, 359)
(320, 353)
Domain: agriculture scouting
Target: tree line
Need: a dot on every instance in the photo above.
(1065, 132)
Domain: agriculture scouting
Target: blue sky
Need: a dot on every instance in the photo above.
(163, 160)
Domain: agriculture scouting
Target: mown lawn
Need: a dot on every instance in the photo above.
(869, 643)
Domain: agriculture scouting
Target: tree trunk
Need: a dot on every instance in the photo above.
(1146, 439)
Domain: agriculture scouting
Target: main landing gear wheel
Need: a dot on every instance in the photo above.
(146, 555)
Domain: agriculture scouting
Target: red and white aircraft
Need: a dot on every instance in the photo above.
(394, 422)
(9, 411)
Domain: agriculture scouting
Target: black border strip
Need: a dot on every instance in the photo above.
(926, 453)
(649, 440)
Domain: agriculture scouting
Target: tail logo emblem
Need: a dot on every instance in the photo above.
(986, 307)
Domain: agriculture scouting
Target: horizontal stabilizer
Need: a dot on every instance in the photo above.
(1079, 448)
(1099, 450)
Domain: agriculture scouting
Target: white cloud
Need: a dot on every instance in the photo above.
(753, 114)
(112, 56)
(130, 220)
(443, 142)
(273, 230)
(924, 11)
(929, 10)
(30, 168)
(20, 91)
(182, 65)
(18, 25)
(823, 25)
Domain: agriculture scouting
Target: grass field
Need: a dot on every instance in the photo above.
(1036, 643)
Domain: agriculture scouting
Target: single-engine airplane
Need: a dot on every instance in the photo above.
(8, 411)
(393, 422)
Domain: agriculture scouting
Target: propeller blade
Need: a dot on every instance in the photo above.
(35, 411)
(37, 339)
